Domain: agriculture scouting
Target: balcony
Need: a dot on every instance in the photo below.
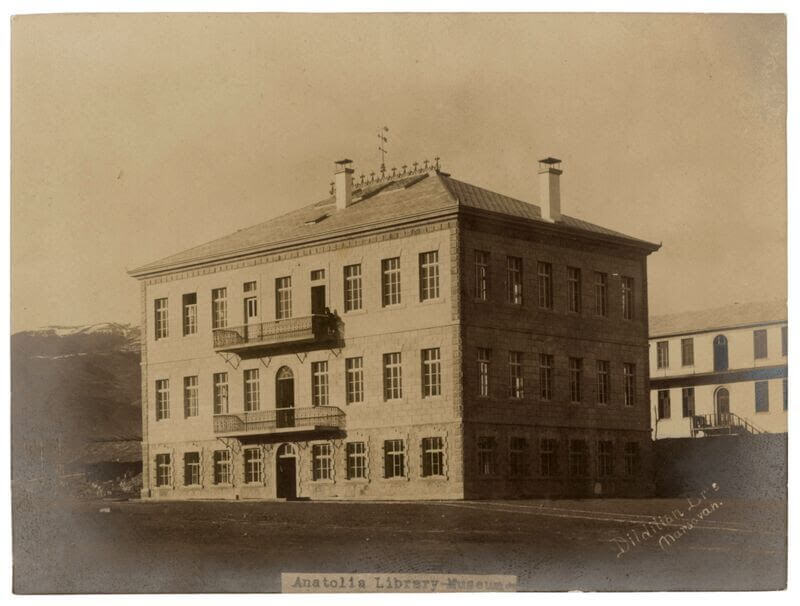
(279, 422)
(279, 336)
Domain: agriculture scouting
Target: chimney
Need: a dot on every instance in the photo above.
(343, 179)
(550, 189)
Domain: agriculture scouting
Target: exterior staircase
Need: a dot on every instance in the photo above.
(722, 424)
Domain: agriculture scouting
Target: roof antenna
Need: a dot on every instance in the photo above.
(382, 141)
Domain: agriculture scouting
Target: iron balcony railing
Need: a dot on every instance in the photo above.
(722, 423)
(279, 419)
(316, 327)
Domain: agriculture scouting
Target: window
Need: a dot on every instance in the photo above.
(603, 381)
(548, 457)
(687, 352)
(222, 467)
(390, 281)
(481, 275)
(253, 466)
(250, 287)
(484, 358)
(759, 344)
(786, 394)
(162, 318)
(545, 271)
(605, 458)
(487, 445)
(663, 404)
(190, 314)
(600, 293)
(574, 289)
(252, 397)
(546, 376)
(321, 462)
(352, 287)
(517, 457)
(163, 470)
(627, 298)
(220, 393)
(784, 340)
(514, 278)
(190, 397)
(762, 396)
(720, 353)
(394, 460)
(162, 399)
(431, 373)
(356, 460)
(354, 379)
(317, 274)
(629, 378)
(515, 386)
(631, 455)
(687, 397)
(319, 383)
(219, 308)
(392, 376)
(429, 275)
(578, 458)
(662, 354)
(432, 457)
(283, 298)
(191, 468)
(575, 371)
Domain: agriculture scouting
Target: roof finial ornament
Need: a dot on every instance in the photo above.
(437, 163)
(426, 162)
(333, 188)
(382, 145)
(415, 164)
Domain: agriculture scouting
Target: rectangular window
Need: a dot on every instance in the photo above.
(162, 399)
(432, 457)
(163, 470)
(600, 293)
(431, 373)
(759, 344)
(219, 308)
(191, 469)
(517, 457)
(190, 314)
(352, 287)
(663, 404)
(786, 394)
(762, 396)
(514, 278)
(392, 376)
(605, 458)
(784, 340)
(190, 397)
(283, 298)
(222, 467)
(631, 458)
(162, 318)
(394, 459)
(687, 352)
(317, 274)
(629, 378)
(603, 381)
(250, 287)
(319, 383)
(578, 458)
(515, 385)
(390, 281)
(548, 457)
(487, 447)
(354, 379)
(546, 363)
(253, 466)
(482, 275)
(321, 462)
(356, 460)
(545, 273)
(662, 354)
(574, 289)
(252, 396)
(575, 372)
(687, 397)
(429, 275)
(627, 298)
(220, 393)
(484, 358)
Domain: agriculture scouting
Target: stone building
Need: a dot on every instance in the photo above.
(411, 336)
(720, 371)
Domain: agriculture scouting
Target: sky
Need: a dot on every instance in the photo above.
(137, 136)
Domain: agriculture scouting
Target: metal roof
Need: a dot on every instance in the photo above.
(707, 320)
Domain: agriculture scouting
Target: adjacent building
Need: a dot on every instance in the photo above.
(720, 371)
(409, 336)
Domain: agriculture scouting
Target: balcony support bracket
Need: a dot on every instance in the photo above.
(234, 445)
(269, 359)
(303, 359)
(336, 351)
(230, 358)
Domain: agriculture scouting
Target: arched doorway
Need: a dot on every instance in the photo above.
(286, 472)
(722, 405)
(720, 353)
(284, 397)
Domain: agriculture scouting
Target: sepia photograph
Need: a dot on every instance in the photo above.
(398, 302)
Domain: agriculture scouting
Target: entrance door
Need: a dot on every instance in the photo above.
(251, 318)
(284, 397)
(317, 300)
(286, 472)
(723, 406)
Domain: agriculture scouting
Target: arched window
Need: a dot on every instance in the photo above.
(723, 403)
(284, 397)
(720, 353)
(286, 450)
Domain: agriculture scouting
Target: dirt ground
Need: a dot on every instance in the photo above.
(207, 546)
